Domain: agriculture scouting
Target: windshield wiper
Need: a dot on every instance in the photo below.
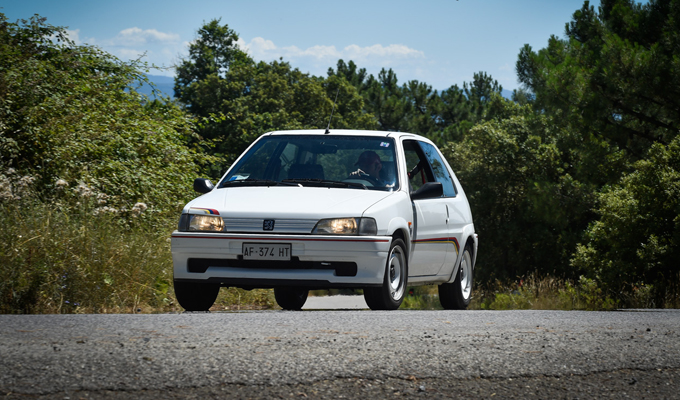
(315, 182)
(255, 182)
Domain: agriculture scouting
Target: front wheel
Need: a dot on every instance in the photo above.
(194, 296)
(290, 298)
(457, 295)
(390, 295)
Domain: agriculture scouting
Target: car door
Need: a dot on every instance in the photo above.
(455, 220)
(430, 231)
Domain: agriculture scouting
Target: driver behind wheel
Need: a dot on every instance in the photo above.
(369, 164)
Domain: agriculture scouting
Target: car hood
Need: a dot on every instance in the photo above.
(286, 202)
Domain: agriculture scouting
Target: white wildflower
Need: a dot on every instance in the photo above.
(101, 198)
(5, 188)
(61, 184)
(138, 209)
(84, 190)
(105, 209)
(22, 187)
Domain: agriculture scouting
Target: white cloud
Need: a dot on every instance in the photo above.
(74, 35)
(392, 51)
(262, 44)
(317, 52)
(506, 67)
(263, 49)
(136, 36)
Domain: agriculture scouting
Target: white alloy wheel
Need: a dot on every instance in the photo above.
(397, 273)
(390, 295)
(457, 295)
(465, 275)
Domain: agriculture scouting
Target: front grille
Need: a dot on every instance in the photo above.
(255, 225)
(341, 268)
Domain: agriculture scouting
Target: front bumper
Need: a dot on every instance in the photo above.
(316, 261)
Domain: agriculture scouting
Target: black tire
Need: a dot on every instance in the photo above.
(193, 296)
(457, 295)
(290, 298)
(390, 295)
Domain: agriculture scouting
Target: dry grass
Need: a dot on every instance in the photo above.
(79, 261)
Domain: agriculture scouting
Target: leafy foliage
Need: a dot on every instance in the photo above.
(71, 118)
(239, 99)
(415, 107)
(617, 74)
(528, 209)
(636, 239)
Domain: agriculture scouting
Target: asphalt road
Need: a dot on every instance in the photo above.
(333, 354)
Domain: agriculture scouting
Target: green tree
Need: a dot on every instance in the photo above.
(92, 176)
(70, 117)
(424, 107)
(356, 76)
(528, 209)
(611, 91)
(385, 100)
(238, 99)
(479, 93)
(615, 75)
(211, 57)
(416, 107)
(636, 239)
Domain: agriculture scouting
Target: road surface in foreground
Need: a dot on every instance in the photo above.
(332, 354)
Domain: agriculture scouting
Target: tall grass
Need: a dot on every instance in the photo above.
(61, 260)
(549, 293)
(85, 260)
(541, 293)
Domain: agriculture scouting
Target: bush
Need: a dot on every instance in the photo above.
(70, 117)
(635, 243)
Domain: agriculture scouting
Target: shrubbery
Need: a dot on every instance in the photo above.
(92, 175)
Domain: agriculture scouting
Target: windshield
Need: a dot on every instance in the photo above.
(352, 162)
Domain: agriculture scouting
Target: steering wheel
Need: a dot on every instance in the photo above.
(369, 178)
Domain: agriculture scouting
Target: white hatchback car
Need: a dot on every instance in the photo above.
(314, 209)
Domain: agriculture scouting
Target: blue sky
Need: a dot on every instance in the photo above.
(440, 43)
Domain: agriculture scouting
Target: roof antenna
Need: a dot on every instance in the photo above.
(329, 119)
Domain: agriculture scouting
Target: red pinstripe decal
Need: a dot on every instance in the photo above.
(440, 240)
(282, 239)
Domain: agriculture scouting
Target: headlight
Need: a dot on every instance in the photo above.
(212, 223)
(346, 226)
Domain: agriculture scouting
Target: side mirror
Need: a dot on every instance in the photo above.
(202, 185)
(430, 190)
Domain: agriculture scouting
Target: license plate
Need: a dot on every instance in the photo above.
(266, 251)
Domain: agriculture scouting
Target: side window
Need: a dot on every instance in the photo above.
(439, 169)
(418, 168)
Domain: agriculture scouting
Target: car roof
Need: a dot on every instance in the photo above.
(347, 132)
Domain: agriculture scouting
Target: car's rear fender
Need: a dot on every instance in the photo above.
(468, 237)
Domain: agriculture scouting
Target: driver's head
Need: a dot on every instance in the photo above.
(370, 163)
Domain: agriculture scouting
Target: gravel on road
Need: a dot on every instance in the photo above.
(319, 354)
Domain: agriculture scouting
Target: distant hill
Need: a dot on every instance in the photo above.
(164, 84)
(507, 94)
